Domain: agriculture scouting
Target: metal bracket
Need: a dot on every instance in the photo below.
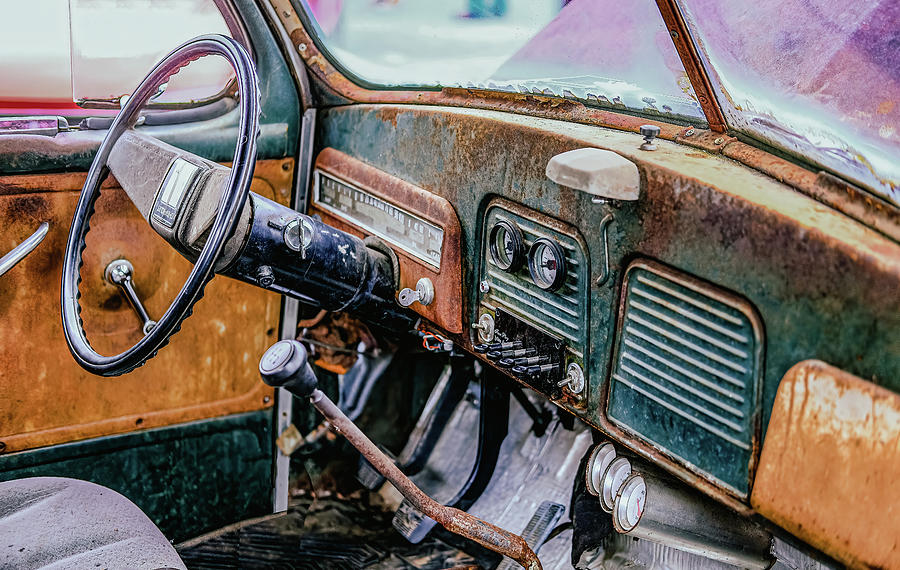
(604, 232)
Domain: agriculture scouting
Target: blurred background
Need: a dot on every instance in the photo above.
(432, 42)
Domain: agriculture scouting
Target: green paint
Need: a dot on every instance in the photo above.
(815, 300)
(189, 479)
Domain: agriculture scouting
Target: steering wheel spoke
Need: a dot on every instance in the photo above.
(176, 191)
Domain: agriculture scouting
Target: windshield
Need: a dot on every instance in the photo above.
(817, 78)
(605, 53)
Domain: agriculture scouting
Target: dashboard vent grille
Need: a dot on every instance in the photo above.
(686, 372)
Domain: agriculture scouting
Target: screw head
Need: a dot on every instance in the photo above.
(484, 286)
(301, 48)
(719, 140)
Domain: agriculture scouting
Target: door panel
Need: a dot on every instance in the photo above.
(207, 370)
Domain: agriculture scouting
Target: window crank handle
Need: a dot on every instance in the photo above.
(120, 273)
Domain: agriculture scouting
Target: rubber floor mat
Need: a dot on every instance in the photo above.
(321, 534)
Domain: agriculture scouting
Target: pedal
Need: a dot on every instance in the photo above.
(537, 530)
(411, 523)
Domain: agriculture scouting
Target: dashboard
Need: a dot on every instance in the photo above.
(666, 322)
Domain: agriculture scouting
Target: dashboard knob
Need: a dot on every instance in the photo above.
(574, 379)
(285, 365)
(534, 370)
(649, 132)
(514, 353)
(482, 348)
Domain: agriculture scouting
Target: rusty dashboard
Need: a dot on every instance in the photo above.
(666, 322)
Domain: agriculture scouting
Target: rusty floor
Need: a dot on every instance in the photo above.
(329, 532)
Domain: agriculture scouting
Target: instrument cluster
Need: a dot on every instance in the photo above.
(533, 300)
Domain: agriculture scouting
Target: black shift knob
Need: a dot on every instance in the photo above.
(285, 365)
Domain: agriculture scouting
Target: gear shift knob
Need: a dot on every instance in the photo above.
(285, 365)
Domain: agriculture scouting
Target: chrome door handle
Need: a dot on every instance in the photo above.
(19, 252)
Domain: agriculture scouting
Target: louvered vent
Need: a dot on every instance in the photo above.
(686, 372)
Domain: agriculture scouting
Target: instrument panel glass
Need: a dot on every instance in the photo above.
(547, 264)
(403, 229)
(507, 246)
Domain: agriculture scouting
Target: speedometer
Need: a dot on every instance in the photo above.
(401, 228)
(547, 264)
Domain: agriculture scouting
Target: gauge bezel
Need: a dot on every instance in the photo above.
(561, 271)
(517, 259)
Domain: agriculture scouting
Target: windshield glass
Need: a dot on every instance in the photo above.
(605, 53)
(817, 78)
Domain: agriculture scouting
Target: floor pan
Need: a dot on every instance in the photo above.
(325, 533)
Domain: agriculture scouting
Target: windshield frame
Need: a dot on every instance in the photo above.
(778, 138)
(796, 170)
(317, 36)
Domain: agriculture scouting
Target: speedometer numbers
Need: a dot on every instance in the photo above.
(547, 264)
(507, 246)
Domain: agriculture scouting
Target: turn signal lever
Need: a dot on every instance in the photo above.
(285, 365)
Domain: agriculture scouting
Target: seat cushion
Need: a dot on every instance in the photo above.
(56, 523)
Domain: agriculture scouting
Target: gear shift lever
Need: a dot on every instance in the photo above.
(285, 365)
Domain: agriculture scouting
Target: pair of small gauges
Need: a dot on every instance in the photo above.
(546, 258)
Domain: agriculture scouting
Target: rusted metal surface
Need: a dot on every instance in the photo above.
(340, 90)
(831, 463)
(707, 140)
(454, 520)
(692, 65)
(755, 389)
(47, 398)
(818, 279)
(825, 188)
(446, 310)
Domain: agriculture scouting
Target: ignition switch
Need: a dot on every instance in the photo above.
(423, 293)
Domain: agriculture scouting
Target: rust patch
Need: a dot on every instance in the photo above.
(446, 311)
(692, 65)
(830, 465)
(707, 140)
(48, 399)
(823, 187)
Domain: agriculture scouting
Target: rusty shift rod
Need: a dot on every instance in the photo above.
(285, 365)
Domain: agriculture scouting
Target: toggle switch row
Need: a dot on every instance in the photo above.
(513, 355)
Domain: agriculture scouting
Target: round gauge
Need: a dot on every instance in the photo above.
(507, 246)
(601, 456)
(629, 504)
(547, 264)
(616, 473)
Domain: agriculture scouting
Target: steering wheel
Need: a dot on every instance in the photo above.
(230, 205)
